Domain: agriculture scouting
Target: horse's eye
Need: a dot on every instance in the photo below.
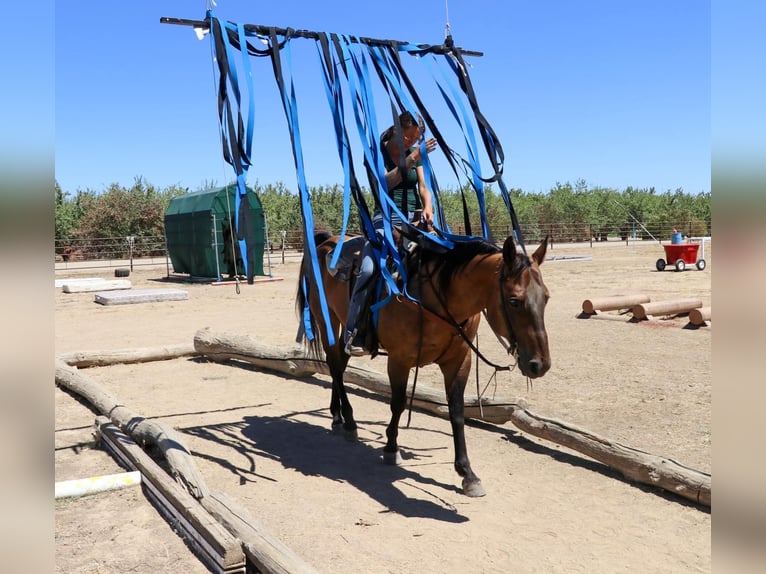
(515, 303)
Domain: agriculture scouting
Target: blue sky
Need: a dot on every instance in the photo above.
(614, 93)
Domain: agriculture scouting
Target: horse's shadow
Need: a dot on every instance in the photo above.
(313, 450)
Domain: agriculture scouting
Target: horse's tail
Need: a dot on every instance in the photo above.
(305, 286)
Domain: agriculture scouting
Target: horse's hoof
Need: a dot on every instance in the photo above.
(392, 458)
(473, 488)
(337, 428)
(350, 435)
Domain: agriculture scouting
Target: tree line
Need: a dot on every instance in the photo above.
(578, 212)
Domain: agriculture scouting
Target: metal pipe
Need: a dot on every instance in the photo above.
(259, 29)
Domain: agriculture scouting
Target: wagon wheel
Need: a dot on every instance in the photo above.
(680, 265)
(660, 265)
(701, 264)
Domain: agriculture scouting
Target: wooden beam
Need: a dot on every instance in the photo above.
(125, 356)
(636, 465)
(614, 303)
(222, 347)
(700, 316)
(211, 542)
(264, 551)
(675, 307)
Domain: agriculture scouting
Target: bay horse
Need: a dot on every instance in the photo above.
(453, 289)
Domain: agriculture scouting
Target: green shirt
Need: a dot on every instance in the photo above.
(408, 187)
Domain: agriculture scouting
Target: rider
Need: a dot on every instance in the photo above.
(406, 185)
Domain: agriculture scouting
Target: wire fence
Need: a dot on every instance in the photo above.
(109, 249)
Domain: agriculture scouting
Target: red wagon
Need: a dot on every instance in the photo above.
(680, 255)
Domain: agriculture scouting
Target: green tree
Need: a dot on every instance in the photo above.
(119, 212)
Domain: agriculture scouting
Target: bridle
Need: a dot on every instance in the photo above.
(511, 348)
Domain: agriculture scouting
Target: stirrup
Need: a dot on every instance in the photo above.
(352, 347)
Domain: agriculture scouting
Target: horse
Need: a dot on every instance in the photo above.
(453, 288)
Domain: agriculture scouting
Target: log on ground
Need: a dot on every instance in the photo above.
(700, 316)
(264, 551)
(613, 303)
(222, 347)
(215, 545)
(142, 430)
(662, 308)
(635, 465)
(126, 356)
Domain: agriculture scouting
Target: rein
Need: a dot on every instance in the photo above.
(511, 347)
(459, 327)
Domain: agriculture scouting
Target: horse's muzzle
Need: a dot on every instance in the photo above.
(535, 368)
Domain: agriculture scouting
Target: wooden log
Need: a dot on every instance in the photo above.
(665, 308)
(124, 356)
(212, 542)
(638, 466)
(144, 431)
(614, 303)
(266, 552)
(699, 316)
(222, 347)
(634, 464)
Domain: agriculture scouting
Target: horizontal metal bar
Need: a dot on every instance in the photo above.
(258, 29)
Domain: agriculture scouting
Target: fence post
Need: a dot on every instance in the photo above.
(131, 239)
(283, 234)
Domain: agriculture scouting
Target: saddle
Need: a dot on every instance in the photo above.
(349, 260)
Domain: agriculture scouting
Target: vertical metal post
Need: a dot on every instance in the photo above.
(131, 239)
(267, 244)
(214, 234)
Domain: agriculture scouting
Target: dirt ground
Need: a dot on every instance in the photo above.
(264, 439)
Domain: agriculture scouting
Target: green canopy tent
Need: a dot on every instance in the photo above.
(201, 236)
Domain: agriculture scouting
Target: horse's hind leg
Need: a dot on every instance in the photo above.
(455, 376)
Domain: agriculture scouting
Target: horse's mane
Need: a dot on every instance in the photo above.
(446, 265)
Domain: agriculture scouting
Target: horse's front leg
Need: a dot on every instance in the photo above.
(397, 376)
(455, 376)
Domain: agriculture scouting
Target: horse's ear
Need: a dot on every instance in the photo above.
(539, 254)
(509, 251)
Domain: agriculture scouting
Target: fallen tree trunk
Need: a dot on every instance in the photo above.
(635, 465)
(106, 358)
(143, 431)
(223, 347)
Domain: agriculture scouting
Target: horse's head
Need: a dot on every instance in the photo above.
(518, 313)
